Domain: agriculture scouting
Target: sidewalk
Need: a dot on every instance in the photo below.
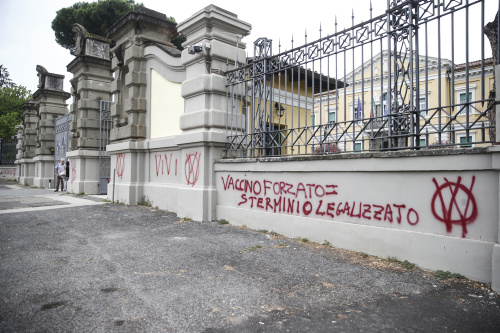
(99, 267)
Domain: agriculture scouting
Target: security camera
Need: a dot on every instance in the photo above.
(192, 49)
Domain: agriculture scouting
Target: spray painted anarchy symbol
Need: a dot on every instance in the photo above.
(192, 168)
(120, 165)
(454, 203)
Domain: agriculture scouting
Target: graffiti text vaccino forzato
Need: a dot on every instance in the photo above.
(312, 199)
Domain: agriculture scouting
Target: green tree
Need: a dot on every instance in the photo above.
(5, 81)
(96, 17)
(11, 99)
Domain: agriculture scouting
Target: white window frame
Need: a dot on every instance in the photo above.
(354, 143)
(332, 109)
(422, 137)
(463, 135)
(425, 96)
(463, 90)
(354, 110)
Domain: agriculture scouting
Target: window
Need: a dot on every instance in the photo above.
(358, 146)
(422, 142)
(332, 116)
(464, 141)
(462, 99)
(385, 103)
(422, 106)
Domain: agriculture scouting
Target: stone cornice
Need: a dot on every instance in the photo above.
(88, 59)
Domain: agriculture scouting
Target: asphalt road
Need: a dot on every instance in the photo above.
(76, 264)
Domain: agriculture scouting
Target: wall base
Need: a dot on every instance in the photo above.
(84, 171)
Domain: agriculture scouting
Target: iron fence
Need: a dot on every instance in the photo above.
(106, 124)
(414, 77)
(8, 151)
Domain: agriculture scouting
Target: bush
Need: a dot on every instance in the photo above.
(443, 144)
(326, 148)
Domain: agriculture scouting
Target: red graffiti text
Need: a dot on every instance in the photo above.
(389, 212)
(164, 164)
(8, 172)
(267, 187)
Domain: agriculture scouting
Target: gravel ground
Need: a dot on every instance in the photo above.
(115, 268)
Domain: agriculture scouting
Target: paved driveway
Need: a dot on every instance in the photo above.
(100, 267)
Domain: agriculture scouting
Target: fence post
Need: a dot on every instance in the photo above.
(497, 98)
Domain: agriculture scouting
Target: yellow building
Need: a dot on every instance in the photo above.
(358, 113)
(280, 117)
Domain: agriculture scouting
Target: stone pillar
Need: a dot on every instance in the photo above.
(50, 104)
(27, 138)
(132, 33)
(219, 33)
(19, 154)
(90, 84)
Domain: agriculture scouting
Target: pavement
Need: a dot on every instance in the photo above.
(79, 264)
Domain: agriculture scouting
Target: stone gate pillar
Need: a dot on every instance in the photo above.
(90, 84)
(19, 154)
(132, 33)
(27, 143)
(219, 34)
(50, 104)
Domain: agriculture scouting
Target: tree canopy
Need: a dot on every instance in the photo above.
(96, 17)
(5, 81)
(11, 99)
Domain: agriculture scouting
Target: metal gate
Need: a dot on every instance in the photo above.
(8, 151)
(104, 159)
(62, 137)
(368, 87)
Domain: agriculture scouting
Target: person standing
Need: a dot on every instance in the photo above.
(67, 176)
(60, 170)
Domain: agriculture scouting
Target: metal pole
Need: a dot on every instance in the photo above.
(114, 174)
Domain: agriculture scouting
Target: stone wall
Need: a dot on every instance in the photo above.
(437, 209)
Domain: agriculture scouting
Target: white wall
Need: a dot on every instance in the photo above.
(167, 106)
(437, 210)
(8, 172)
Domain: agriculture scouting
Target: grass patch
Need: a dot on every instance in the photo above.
(406, 264)
(81, 194)
(252, 248)
(222, 221)
(105, 200)
(442, 275)
(187, 219)
(363, 255)
(264, 231)
(326, 243)
(304, 240)
(144, 201)
(274, 233)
